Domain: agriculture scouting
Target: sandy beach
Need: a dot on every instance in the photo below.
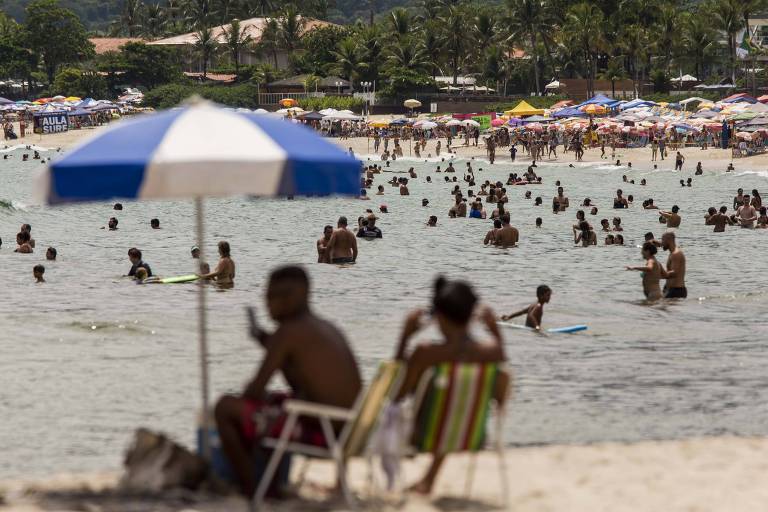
(712, 159)
(709, 474)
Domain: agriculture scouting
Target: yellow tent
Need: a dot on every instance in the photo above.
(524, 109)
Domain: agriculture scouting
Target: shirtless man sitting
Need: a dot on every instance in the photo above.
(224, 273)
(313, 357)
(675, 271)
(507, 236)
(342, 247)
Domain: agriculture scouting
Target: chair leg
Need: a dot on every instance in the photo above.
(274, 462)
(470, 474)
(338, 457)
(503, 480)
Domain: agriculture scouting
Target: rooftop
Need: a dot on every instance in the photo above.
(112, 44)
(252, 27)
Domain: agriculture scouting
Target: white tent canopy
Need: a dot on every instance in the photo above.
(685, 78)
(554, 84)
(691, 100)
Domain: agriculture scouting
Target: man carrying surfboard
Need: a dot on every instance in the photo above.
(535, 312)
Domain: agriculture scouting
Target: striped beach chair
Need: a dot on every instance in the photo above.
(453, 406)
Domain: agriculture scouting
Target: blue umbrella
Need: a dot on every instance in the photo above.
(198, 151)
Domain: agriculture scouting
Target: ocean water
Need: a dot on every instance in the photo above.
(89, 356)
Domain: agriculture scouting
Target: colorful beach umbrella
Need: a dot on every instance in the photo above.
(172, 155)
(288, 102)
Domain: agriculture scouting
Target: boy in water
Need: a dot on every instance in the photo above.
(535, 312)
(38, 272)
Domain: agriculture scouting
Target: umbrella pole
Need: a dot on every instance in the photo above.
(203, 333)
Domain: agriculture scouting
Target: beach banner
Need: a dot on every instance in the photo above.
(51, 122)
(484, 120)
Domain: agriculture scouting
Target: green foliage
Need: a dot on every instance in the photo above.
(76, 82)
(143, 65)
(170, 95)
(56, 34)
(401, 81)
(318, 47)
(660, 79)
(337, 102)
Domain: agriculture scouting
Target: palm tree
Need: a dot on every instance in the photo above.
(405, 55)
(635, 44)
(155, 21)
(199, 13)
(291, 27)
(667, 33)
(529, 21)
(371, 48)
(252, 8)
(224, 10)
(349, 63)
(613, 72)
(130, 17)
(700, 39)
(728, 17)
(237, 40)
(454, 39)
(205, 47)
(583, 26)
(433, 47)
(270, 39)
(400, 22)
(494, 66)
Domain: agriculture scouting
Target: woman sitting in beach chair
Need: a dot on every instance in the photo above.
(452, 308)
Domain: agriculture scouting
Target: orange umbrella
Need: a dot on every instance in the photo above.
(288, 102)
(594, 109)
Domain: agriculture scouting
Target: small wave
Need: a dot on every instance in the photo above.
(6, 205)
(26, 147)
(762, 174)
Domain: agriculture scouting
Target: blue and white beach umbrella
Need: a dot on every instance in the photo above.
(201, 151)
(198, 151)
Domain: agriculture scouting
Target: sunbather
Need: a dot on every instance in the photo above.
(452, 308)
(315, 360)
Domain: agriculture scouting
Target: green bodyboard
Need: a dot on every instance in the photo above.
(179, 279)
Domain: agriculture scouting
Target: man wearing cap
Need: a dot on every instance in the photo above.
(342, 247)
(370, 231)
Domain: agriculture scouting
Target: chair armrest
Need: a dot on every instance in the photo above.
(303, 408)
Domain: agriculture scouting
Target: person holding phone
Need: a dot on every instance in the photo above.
(315, 360)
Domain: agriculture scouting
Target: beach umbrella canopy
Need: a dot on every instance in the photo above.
(4, 101)
(524, 109)
(470, 122)
(453, 122)
(497, 122)
(288, 102)
(425, 125)
(411, 103)
(171, 155)
(593, 109)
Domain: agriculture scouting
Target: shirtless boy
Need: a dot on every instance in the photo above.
(535, 312)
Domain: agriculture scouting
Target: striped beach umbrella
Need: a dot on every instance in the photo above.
(198, 151)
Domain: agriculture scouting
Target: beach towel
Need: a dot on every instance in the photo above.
(453, 414)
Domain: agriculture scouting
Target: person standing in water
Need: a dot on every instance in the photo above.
(342, 247)
(675, 272)
(224, 273)
(322, 245)
(650, 272)
(535, 312)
